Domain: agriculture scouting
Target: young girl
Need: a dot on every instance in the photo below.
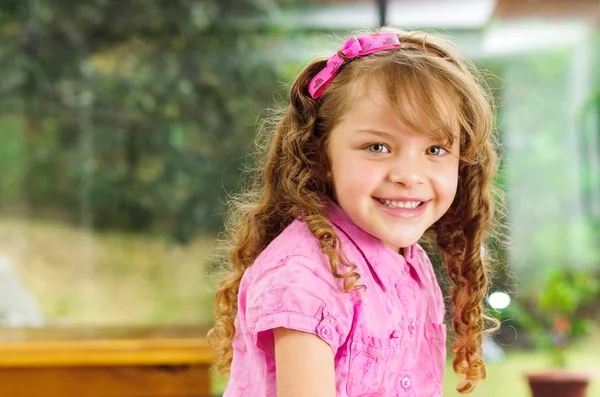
(328, 292)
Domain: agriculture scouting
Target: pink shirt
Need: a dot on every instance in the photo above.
(389, 343)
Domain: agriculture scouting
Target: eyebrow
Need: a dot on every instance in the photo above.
(375, 132)
(386, 134)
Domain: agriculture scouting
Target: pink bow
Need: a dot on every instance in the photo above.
(352, 48)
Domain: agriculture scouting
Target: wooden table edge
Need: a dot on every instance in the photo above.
(106, 353)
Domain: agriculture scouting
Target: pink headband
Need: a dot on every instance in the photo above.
(355, 46)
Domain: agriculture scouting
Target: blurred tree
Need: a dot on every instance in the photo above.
(134, 114)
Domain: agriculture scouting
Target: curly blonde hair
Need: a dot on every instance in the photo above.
(292, 174)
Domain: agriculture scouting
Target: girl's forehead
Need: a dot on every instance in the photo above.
(421, 108)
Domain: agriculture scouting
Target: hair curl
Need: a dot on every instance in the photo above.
(291, 175)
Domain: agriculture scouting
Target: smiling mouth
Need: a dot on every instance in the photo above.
(400, 204)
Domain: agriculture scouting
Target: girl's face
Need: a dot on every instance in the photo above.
(375, 158)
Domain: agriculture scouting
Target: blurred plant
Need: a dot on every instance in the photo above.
(555, 315)
(129, 115)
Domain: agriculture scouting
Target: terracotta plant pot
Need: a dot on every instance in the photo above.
(558, 384)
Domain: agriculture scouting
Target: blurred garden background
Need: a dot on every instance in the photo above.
(124, 126)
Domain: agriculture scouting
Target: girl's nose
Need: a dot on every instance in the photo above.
(409, 172)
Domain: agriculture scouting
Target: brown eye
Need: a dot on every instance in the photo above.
(436, 151)
(377, 148)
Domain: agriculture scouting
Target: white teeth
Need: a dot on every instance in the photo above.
(401, 204)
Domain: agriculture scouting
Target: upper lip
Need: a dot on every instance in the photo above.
(403, 198)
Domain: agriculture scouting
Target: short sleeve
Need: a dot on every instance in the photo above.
(298, 293)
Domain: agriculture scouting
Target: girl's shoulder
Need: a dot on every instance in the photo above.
(291, 285)
(295, 245)
(295, 239)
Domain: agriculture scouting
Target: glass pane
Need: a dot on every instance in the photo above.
(123, 131)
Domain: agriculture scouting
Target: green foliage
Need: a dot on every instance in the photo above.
(555, 315)
(565, 292)
(128, 115)
(555, 250)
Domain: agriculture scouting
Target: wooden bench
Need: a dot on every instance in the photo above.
(142, 362)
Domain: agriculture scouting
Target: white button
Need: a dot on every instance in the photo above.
(412, 327)
(406, 383)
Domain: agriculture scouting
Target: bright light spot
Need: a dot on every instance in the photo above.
(499, 300)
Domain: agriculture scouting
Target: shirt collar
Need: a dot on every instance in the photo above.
(381, 258)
